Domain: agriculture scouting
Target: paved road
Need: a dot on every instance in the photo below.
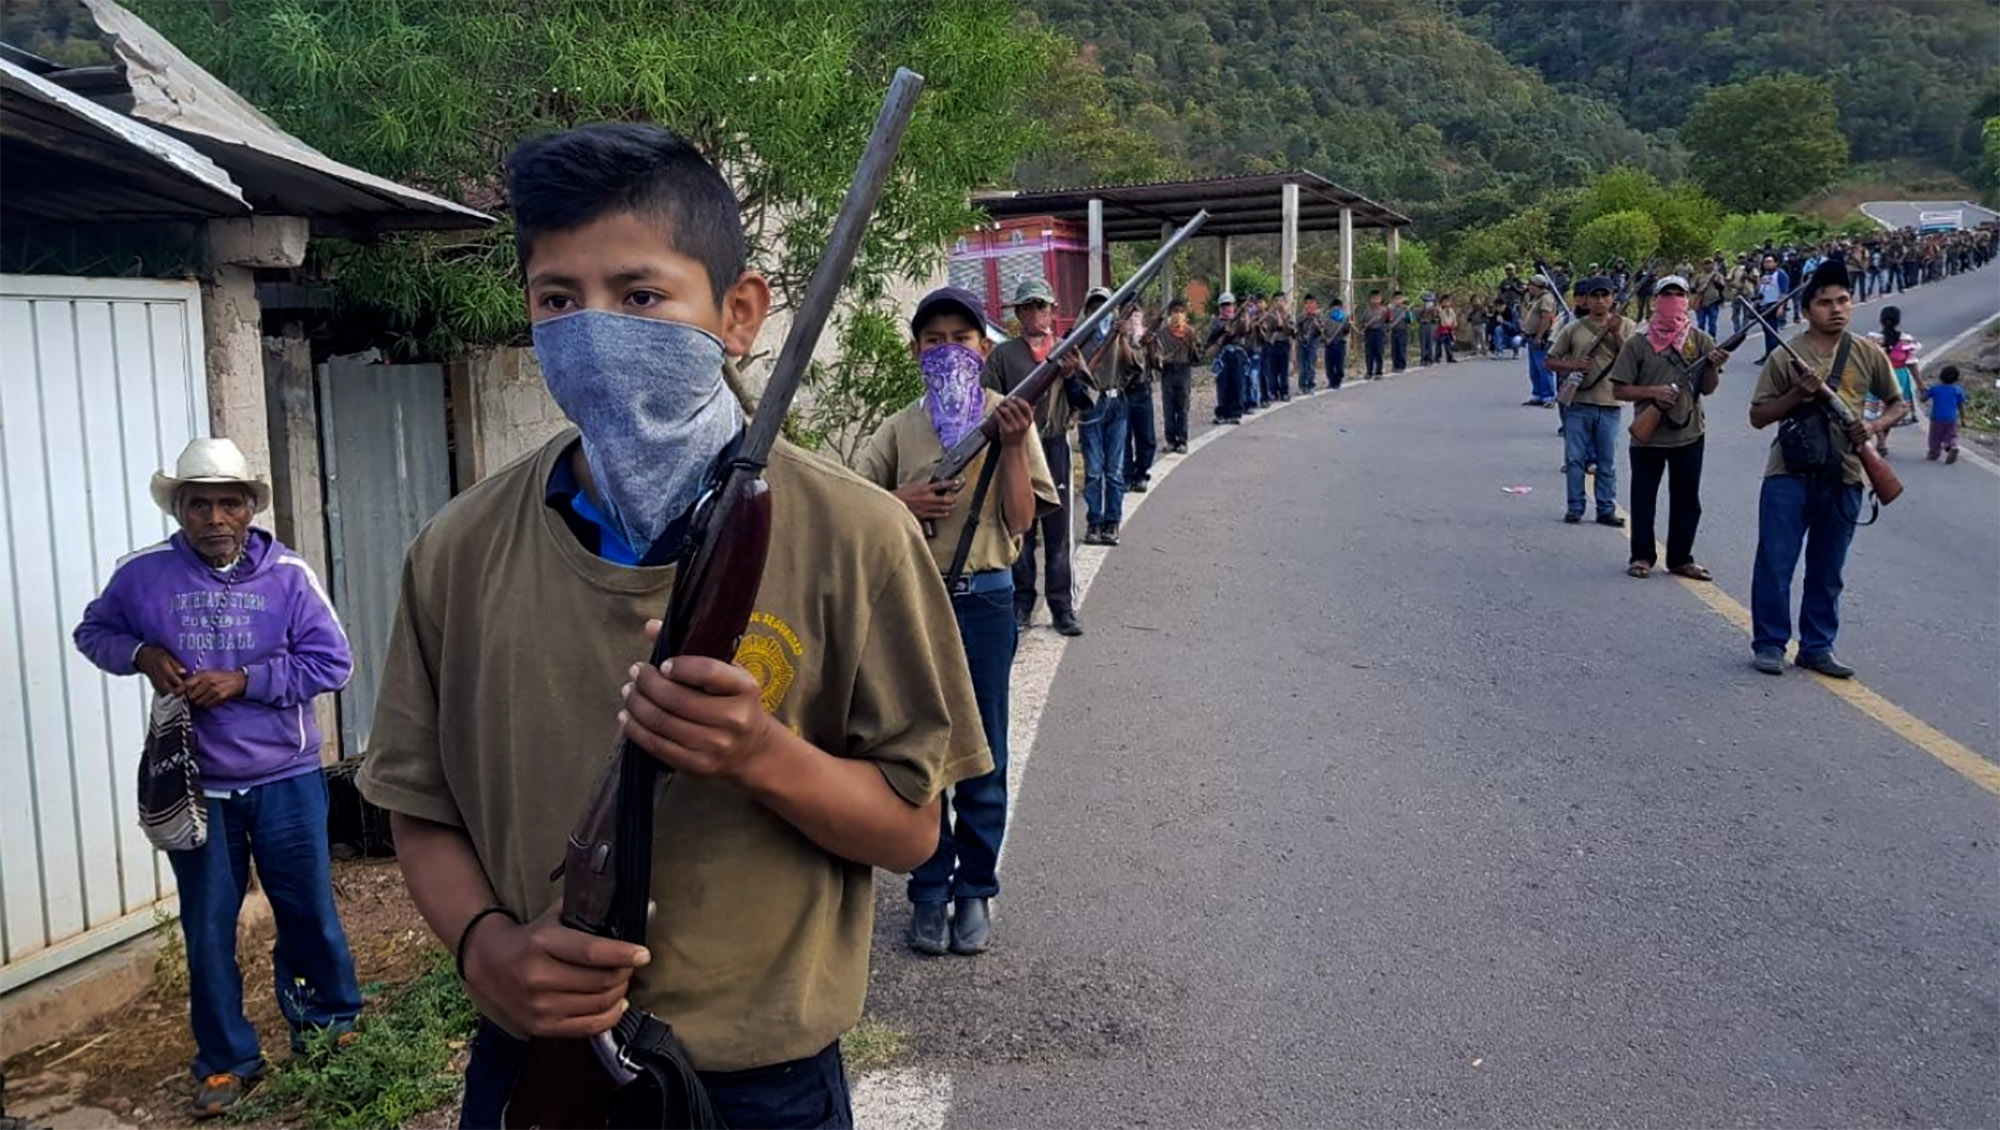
(1378, 795)
(1897, 214)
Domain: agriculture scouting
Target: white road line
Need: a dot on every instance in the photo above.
(902, 1099)
(915, 1099)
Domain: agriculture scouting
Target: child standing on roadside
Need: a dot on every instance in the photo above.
(1946, 398)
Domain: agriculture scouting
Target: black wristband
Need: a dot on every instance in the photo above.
(465, 935)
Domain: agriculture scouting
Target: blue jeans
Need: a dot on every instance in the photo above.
(1541, 382)
(1708, 319)
(1399, 349)
(1102, 434)
(1308, 364)
(810, 1092)
(1795, 512)
(1336, 363)
(1590, 435)
(986, 627)
(1771, 341)
(282, 826)
(1372, 342)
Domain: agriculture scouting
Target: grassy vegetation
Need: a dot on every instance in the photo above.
(398, 1066)
(872, 1046)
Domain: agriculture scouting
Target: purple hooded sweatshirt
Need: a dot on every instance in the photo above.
(267, 616)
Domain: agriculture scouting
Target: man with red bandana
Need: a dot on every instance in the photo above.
(1654, 366)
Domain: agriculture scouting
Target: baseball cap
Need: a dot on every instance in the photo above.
(1103, 292)
(1594, 284)
(948, 299)
(1227, 299)
(1541, 280)
(1670, 280)
(1033, 289)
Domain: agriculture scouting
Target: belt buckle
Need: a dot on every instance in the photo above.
(959, 587)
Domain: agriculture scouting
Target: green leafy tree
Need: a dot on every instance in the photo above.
(874, 377)
(780, 95)
(1632, 236)
(1739, 232)
(1764, 143)
(1414, 269)
(1688, 218)
(1252, 277)
(1989, 166)
(1623, 189)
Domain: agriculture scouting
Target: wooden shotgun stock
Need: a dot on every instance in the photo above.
(639, 1075)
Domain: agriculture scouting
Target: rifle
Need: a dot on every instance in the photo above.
(1882, 478)
(1647, 419)
(607, 864)
(1036, 383)
(1573, 371)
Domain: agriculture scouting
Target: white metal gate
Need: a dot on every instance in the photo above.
(101, 384)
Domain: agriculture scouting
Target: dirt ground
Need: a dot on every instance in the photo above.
(134, 1064)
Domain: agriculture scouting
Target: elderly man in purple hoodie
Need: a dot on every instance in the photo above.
(226, 616)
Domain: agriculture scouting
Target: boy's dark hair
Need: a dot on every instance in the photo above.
(1948, 374)
(1398, 294)
(1374, 294)
(564, 180)
(1308, 298)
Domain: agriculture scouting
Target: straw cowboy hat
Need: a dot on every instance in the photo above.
(210, 461)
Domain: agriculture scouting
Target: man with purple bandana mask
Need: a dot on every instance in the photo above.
(977, 523)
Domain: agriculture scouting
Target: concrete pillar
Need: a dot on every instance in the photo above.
(1096, 242)
(1347, 258)
(1167, 293)
(298, 495)
(1395, 250)
(1228, 263)
(1288, 241)
(231, 324)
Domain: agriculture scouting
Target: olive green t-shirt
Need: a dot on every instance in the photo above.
(1639, 364)
(1868, 373)
(1008, 365)
(498, 711)
(1540, 316)
(905, 450)
(1570, 343)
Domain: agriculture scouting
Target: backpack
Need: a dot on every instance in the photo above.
(1805, 438)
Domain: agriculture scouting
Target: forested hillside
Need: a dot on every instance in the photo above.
(1391, 97)
(1906, 74)
(1459, 111)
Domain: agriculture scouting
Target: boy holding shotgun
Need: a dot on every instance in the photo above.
(976, 525)
(1814, 510)
(817, 756)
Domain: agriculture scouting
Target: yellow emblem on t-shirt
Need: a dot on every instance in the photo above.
(768, 651)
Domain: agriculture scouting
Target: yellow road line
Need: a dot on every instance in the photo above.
(1955, 754)
(1857, 694)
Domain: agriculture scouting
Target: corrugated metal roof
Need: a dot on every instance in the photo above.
(1243, 204)
(71, 160)
(278, 172)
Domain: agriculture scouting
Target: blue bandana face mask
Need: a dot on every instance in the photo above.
(649, 398)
